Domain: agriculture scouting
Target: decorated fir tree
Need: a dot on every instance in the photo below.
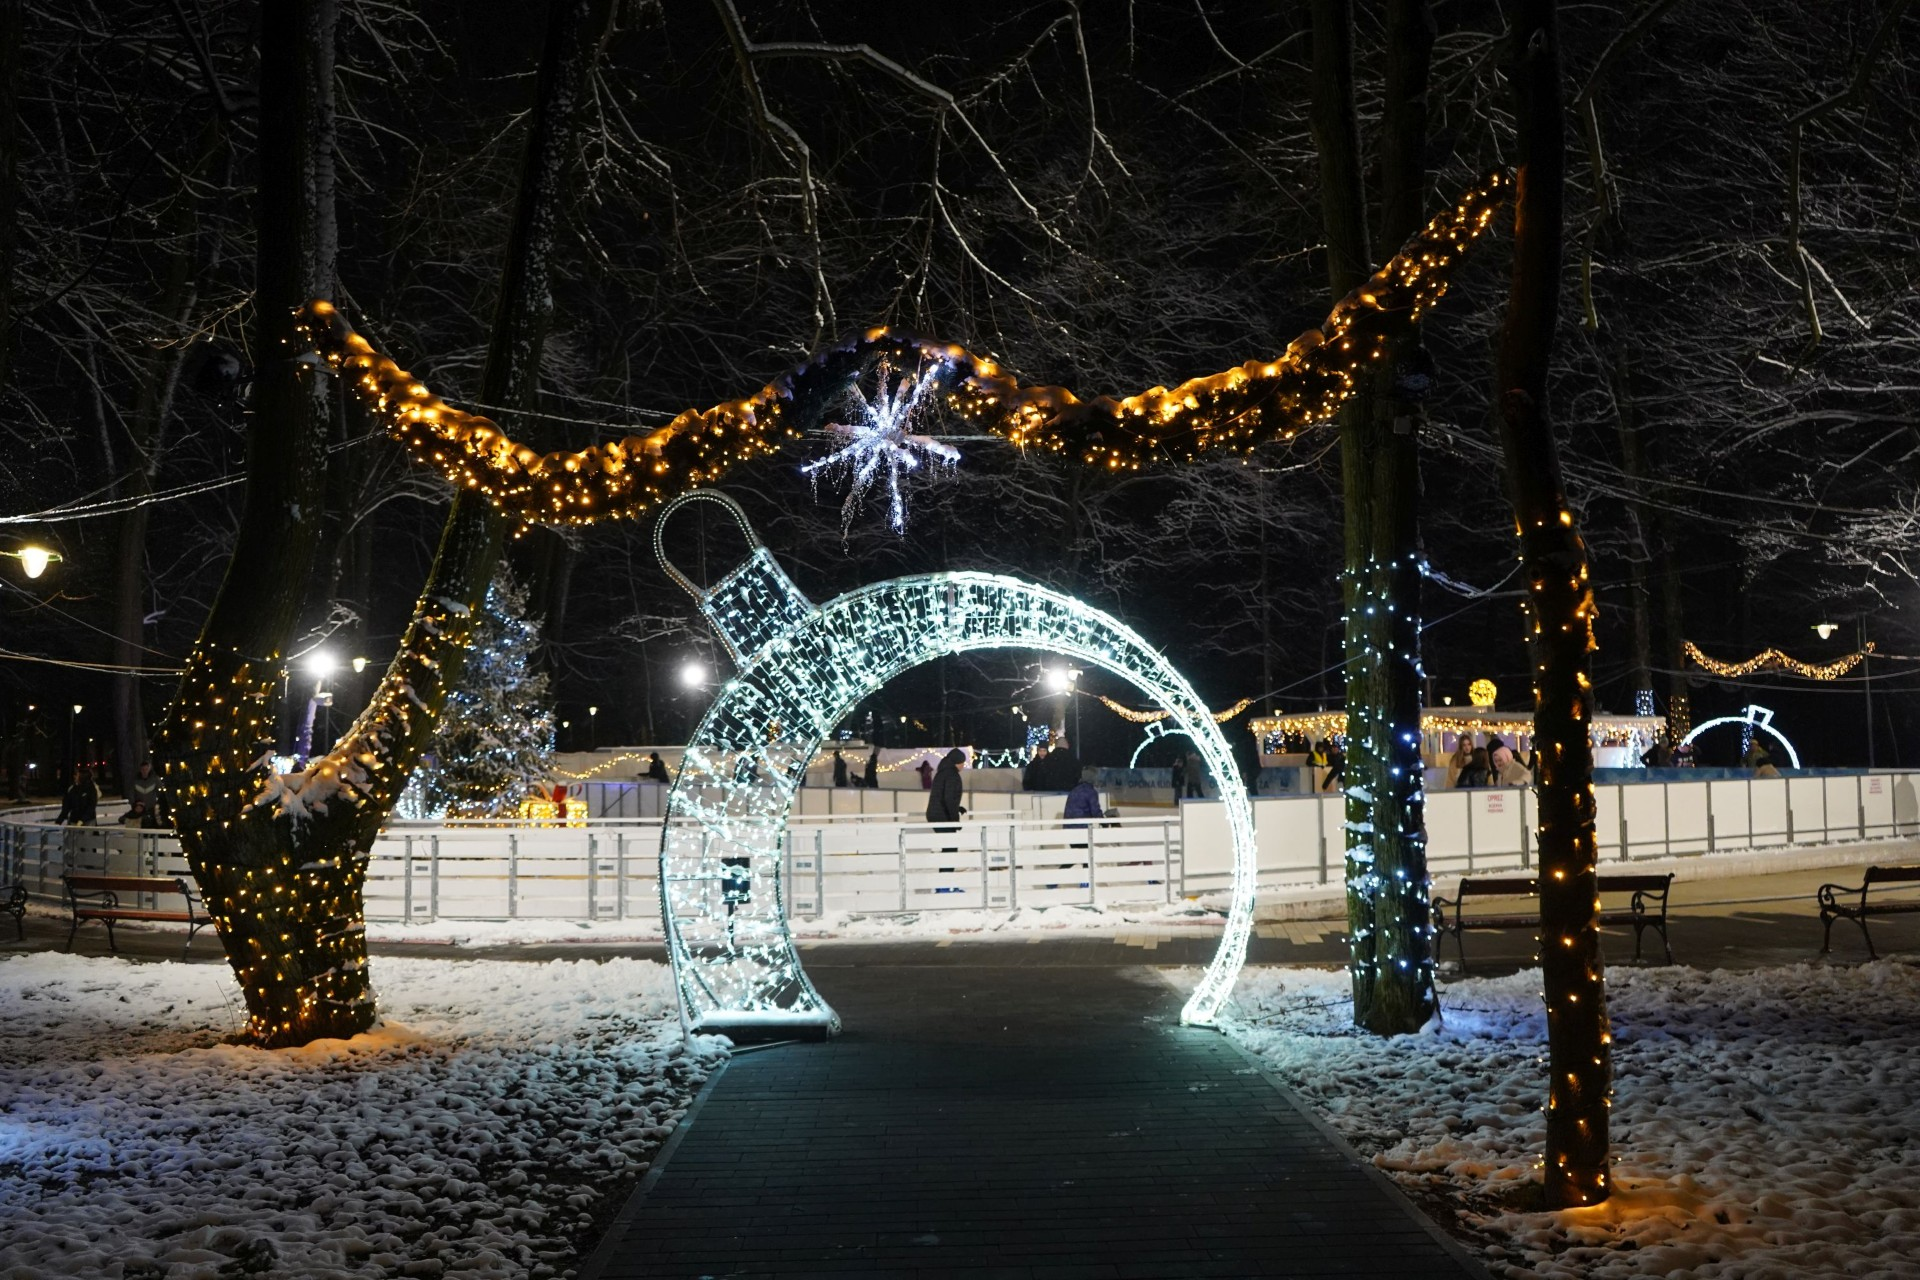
(495, 736)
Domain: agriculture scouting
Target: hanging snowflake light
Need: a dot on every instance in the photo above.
(879, 443)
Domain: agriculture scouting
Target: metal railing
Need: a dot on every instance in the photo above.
(420, 872)
(879, 863)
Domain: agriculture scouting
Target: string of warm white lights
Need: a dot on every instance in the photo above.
(1774, 660)
(1234, 410)
(1149, 717)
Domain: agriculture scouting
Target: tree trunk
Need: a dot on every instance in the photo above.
(1560, 613)
(283, 860)
(1388, 913)
(286, 929)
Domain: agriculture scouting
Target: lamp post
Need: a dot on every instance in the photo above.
(593, 728)
(73, 760)
(1063, 681)
(1825, 630)
(1866, 685)
(320, 665)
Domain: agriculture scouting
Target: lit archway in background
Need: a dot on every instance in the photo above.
(801, 669)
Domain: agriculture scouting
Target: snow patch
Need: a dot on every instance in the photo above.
(1764, 1122)
(479, 1131)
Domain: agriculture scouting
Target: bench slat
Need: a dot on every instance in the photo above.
(1892, 875)
(130, 913)
(125, 884)
(1487, 887)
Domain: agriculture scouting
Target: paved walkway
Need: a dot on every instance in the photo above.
(1010, 1122)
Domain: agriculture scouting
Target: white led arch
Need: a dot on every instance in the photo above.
(1760, 718)
(802, 668)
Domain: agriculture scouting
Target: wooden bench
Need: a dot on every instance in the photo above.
(16, 906)
(1646, 910)
(1886, 879)
(94, 897)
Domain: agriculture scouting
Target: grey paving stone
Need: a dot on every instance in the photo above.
(1023, 1122)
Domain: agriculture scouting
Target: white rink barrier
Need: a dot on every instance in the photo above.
(1016, 853)
(1301, 839)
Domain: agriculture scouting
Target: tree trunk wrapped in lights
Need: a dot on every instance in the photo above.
(1388, 910)
(282, 859)
(1560, 614)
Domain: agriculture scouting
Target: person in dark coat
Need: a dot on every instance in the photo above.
(78, 806)
(1063, 768)
(1336, 766)
(1082, 802)
(1479, 770)
(1179, 777)
(657, 768)
(1196, 776)
(1034, 778)
(146, 789)
(943, 795)
(925, 770)
(839, 769)
(873, 770)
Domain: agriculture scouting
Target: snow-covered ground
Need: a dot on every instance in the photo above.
(498, 1113)
(1766, 1124)
(1198, 916)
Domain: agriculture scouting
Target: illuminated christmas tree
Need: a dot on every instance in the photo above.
(495, 737)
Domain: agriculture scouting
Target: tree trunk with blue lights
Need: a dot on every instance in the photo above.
(1560, 616)
(1388, 912)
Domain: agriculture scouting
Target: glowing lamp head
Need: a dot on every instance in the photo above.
(359, 665)
(320, 664)
(1823, 629)
(34, 560)
(1060, 679)
(693, 674)
(1481, 693)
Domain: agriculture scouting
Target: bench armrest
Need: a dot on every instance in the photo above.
(1828, 892)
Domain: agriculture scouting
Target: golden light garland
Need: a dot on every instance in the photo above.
(1234, 410)
(1149, 717)
(1774, 660)
(1318, 724)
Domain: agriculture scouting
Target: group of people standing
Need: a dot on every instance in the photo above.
(1494, 765)
(843, 776)
(1053, 768)
(80, 804)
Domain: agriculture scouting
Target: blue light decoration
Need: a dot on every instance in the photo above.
(800, 669)
(879, 441)
(1751, 717)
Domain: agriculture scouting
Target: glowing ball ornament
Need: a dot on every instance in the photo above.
(801, 669)
(1482, 693)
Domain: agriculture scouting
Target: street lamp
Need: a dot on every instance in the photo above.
(693, 674)
(1826, 629)
(1063, 681)
(72, 757)
(320, 664)
(593, 728)
(34, 560)
(359, 665)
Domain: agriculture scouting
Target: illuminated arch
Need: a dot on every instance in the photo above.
(801, 669)
(1760, 718)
